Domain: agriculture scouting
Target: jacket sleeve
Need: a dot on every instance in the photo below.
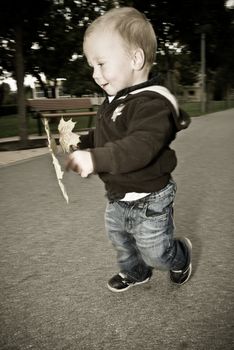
(149, 130)
(86, 141)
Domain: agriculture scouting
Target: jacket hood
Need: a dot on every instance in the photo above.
(180, 117)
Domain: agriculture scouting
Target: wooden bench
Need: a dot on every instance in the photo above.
(61, 107)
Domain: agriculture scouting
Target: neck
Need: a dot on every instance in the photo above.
(140, 77)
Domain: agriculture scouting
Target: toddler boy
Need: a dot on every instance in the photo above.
(130, 150)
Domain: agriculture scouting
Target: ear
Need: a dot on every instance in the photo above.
(138, 59)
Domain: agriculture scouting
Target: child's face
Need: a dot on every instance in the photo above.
(113, 66)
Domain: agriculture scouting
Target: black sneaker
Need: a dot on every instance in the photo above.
(182, 276)
(120, 282)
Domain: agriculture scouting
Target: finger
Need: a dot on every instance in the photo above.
(72, 165)
(77, 169)
(68, 164)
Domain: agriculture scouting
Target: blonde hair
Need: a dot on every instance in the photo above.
(133, 27)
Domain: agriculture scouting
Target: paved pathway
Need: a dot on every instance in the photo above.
(16, 156)
(55, 258)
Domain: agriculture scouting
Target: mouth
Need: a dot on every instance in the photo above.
(103, 86)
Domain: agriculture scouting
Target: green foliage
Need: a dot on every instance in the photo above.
(53, 32)
(8, 110)
(79, 79)
(4, 93)
(9, 125)
(15, 16)
(183, 21)
(187, 70)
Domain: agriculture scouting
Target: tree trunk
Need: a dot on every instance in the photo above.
(53, 89)
(42, 84)
(19, 68)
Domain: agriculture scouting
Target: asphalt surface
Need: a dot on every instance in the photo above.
(55, 258)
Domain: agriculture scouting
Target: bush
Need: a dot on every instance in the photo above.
(8, 110)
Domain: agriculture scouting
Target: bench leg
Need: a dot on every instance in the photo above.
(90, 122)
(39, 127)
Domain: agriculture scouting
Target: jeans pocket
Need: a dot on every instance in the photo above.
(155, 211)
(160, 208)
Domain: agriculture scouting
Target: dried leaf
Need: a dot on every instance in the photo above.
(53, 149)
(58, 170)
(67, 139)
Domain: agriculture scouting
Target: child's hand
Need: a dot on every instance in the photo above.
(80, 162)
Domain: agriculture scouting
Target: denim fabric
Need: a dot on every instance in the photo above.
(142, 233)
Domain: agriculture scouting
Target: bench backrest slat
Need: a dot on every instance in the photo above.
(58, 104)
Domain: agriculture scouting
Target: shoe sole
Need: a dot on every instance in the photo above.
(130, 285)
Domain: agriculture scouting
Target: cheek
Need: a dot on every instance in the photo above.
(109, 74)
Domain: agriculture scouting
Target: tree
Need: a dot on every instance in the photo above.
(17, 19)
(45, 36)
(79, 78)
(58, 49)
(182, 22)
(42, 37)
(4, 93)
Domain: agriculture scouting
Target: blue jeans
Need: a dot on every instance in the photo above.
(142, 233)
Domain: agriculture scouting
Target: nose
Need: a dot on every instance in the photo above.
(96, 73)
